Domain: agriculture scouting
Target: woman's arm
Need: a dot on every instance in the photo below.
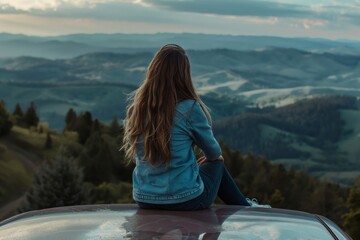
(202, 133)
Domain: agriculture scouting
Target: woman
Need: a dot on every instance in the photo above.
(164, 121)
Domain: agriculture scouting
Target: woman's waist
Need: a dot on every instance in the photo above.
(174, 194)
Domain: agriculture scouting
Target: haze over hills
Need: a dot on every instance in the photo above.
(247, 85)
(68, 46)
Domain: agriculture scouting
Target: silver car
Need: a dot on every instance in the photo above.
(127, 221)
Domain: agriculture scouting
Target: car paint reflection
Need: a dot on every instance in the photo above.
(130, 222)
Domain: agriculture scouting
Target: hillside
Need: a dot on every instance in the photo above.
(318, 135)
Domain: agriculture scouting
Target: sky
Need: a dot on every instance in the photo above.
(332, 19)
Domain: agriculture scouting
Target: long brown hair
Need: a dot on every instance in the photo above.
(152, 108)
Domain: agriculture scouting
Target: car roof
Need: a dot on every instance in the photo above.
(127, 221)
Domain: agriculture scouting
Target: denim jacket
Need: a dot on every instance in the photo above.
(178, 181)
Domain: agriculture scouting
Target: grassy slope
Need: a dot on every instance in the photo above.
(14, 175)
(15, 179)
(20, 153)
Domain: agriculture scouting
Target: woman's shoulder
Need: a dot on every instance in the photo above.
(191, 110)
(186, 105)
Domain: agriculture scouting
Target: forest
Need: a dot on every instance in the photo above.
(83, 165)
(317, 121)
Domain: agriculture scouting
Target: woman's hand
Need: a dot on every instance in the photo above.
(203, 159)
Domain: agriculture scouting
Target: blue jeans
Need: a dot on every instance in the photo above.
(217, 182)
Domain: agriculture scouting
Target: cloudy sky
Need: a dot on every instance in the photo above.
(335, 19)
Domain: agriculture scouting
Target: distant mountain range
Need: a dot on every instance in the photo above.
(266, 94)
(68, 46)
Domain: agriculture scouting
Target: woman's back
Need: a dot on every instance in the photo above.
(178, 180)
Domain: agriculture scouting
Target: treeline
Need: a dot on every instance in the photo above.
(26, 119)
(92, 170)
(316, 122)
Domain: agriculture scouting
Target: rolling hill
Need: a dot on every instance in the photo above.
(318, 135)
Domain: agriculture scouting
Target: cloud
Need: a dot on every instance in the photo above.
(124, 10)
(23, 5)
(324, 11)
(308, 23)
(28, 5)
(235, 7)
(258, 20)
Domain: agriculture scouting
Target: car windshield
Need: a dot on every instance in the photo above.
(107, 224)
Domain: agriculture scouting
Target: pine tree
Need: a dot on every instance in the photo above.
(18, 111)
(83, 127)
(96, 126)
(115, 128)
(70, 120)
(57, 183)
(31, 117)
(19, 117)
(97, 159)
(88, 118)
(5, 123)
